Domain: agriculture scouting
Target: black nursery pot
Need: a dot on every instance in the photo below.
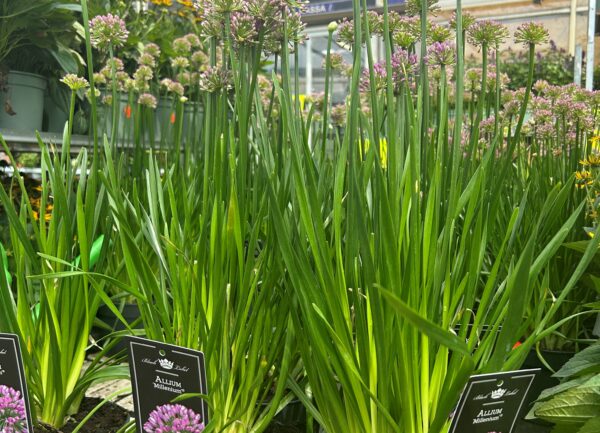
(543, 380)
(291, 419)
(130, 313)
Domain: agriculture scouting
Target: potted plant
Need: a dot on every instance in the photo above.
(33, 34)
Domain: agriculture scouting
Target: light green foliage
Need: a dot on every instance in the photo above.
(574, 404)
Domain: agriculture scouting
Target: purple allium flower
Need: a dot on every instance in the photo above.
(214, 79)
(106, 30)
(345, 33)
(531, 33)
(12, 411)
(338, 114)
(243, 28)
(147, 100)
(173, 418)
(442, 53)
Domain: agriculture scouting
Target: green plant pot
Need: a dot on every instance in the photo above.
(22, 102)
(193, 116)
(164, 117)
(55, 115)
(126, 116)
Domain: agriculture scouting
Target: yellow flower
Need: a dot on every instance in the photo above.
(383, 149)
(302, 99)
(592, 160)
(594, 141)
(162, 2)
(590, 231)
(186, 3)
(583, 178)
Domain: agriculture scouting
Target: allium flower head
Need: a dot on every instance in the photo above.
(467, 21)
(405, 30)
(338, 114)
(243, 28)
(413, 7)
(181, 46)
(442, 53)
(193, 40)
(180, 62)
(147, 100)
(151, 49)
(12, 411)
(488, 32)
(214, 79)
(106, 30)
(147, 60)
(199, 58)
(375, 21)
(175, 87)
(74, 82)
(345, 34)
(115, 63)
(439, 33)
(99, 78)
(531, 33)
(143, 73)
(173, 418)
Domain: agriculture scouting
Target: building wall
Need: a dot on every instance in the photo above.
(554, 14)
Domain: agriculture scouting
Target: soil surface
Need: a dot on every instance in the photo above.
(108, 419)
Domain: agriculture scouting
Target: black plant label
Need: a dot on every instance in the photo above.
(15, 414)
(491, 403)
(160, 374)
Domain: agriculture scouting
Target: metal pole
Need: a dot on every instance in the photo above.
(572, 26)
(589, 64)
(577, 64)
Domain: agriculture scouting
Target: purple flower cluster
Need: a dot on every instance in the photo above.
(173, 418)
(404, 67)
(251, 18)
(12, 411)
(107, 30)
(442, 53)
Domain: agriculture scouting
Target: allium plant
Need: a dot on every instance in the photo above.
(108, 30)
(173, 418)
(12, 411)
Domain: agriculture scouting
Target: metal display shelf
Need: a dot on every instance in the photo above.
(26, 141)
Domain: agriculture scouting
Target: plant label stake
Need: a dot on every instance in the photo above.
(160, 374)
(491, 403)
(15, 414)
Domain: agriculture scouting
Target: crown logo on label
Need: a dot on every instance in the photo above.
(499, 393)
(166, 364)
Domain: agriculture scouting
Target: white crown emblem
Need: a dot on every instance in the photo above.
(166, 364)
(499, 393)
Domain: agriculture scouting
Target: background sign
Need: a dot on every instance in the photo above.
(14, 404)
(160, 373)
(491, 403)
(317, 7)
